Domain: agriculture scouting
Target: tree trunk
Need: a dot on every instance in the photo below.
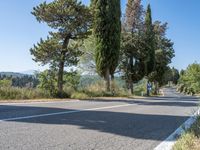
(61, 67)
(130, 77)
(156, 88)
(107, 79)
(131, 88)
(148, 92)
(60, 79)
(113, 84)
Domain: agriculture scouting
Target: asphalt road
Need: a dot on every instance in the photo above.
(121, 124)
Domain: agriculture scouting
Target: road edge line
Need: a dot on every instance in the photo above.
(169, 142)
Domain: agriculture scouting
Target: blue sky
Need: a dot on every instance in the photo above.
(19, 31)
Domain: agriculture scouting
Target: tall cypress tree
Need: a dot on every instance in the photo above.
(107, 31)
(149, 42)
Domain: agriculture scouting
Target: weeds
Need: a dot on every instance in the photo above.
(191, 139)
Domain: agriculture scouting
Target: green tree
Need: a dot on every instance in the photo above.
(87, 62)
(149, 40)
(191, 78)
(164, 53)
(175, 75)
(47, 81)
(107, 31)
(132, 56)
(72, 79)
(70, 20)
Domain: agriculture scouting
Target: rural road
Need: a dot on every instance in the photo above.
(121, 124)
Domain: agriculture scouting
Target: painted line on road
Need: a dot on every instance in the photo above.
(64, 112)
(169, 142)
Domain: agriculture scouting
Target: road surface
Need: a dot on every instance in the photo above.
(121, 124)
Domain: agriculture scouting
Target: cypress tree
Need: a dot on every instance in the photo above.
(149, 43)
(132, 62)
(107, 31)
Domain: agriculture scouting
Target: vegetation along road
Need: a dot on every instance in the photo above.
(100, 124)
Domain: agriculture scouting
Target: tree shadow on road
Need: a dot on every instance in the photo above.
(132, 125)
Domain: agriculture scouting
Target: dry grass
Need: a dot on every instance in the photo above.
(191, 139)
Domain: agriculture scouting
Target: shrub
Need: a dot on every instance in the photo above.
(68, 90)
(185, 90)
(191, 91)
(180, 88)
(79, 95)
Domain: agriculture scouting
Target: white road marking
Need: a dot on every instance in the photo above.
(169, 142)
(64, 112)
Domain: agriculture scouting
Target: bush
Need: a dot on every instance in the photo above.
(180, 88)
(185, 90)
(191, 91)
(68, 90)
(79, 95)
(5, 83)
(140, 87)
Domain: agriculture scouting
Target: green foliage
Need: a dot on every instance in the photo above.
(191, 78)
(70, 20)
(140, 88)
(87, 60)
(5, 83)
(47, 81)
(97, 89)
(163, 55)
(149, 39)
(107, 31)
(7, 93)
(20, 80)
(132, 44)
(72, 79)
(79, 95)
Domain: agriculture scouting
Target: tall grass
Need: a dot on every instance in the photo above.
(191, 139)
(98, 90)
(22, 93)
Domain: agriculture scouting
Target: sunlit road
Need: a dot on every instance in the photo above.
(122, 124)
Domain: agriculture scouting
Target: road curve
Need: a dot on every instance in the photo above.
(120, 124)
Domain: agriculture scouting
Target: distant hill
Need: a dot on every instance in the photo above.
(29, 72)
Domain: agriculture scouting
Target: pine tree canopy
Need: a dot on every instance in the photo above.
(70, 20)
(70, 17)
